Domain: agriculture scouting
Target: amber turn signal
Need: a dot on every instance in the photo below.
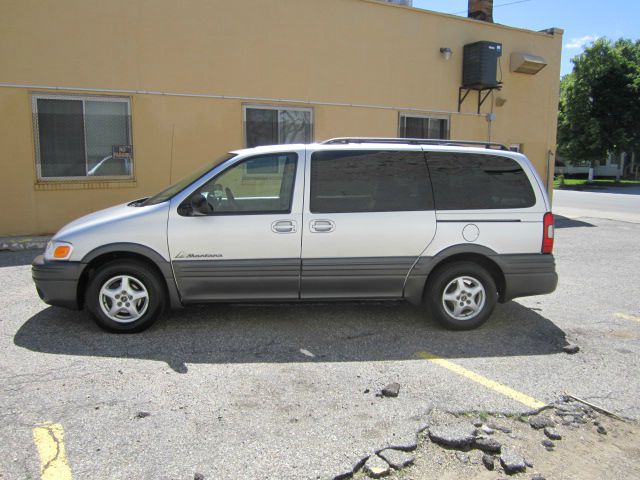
(62, 251)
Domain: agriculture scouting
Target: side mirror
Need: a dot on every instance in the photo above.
(199, 205)
(185, 210)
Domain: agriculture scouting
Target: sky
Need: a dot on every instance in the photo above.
(582, 21)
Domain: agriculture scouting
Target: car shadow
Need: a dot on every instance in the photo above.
(277, 333)
(604, 188)
(628, 190)
(564, 222)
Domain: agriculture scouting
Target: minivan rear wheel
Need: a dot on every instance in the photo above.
(125, 296)
(461, 295)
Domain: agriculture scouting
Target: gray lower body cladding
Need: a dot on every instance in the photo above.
(57, 282)
(341, 278)
(307, 279)
(291, 278)
(229, 280)
(526, 275)
(344, 278)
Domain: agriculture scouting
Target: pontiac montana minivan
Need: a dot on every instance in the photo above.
(456, 226)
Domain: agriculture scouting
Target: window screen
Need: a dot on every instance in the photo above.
(61, 133)
(277, 126)
(424, 127)
(77, 137)
(369, 181)
(475, 181)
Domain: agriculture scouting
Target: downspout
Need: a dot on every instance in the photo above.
(550, 172)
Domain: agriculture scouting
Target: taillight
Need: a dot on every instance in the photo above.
(547, 234)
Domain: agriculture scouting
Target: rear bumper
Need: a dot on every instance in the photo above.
(57, 282)
(527, 275)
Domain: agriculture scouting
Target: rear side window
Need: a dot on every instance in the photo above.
(475, 181)
(369, 181)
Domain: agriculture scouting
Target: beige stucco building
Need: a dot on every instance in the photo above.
(104, 102)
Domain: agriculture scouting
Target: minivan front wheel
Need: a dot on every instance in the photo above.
(461, 295)
(125, 296)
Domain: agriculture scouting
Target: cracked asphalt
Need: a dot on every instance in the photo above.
(289, 391)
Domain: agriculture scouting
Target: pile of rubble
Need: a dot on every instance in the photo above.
(489, 436)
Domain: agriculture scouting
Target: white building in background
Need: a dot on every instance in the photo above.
(616, 165)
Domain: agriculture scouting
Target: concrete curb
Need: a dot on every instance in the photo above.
(19, 244)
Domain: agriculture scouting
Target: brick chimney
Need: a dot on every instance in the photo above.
(481, 10)
(408, 3)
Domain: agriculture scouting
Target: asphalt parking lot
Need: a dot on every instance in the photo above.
(289, 391)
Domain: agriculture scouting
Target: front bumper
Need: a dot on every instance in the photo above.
(57, 282)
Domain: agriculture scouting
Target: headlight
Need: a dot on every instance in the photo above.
(58, 251)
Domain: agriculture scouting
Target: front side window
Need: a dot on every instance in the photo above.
(463, 181)
(276, 126)
(238, 190)
(369, 181)
(82, 137)
(436, 128)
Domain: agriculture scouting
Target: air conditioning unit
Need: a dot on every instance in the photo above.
(480, 65)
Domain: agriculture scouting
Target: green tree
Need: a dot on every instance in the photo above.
(600, 102)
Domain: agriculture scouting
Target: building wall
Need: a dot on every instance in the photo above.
(315, 53)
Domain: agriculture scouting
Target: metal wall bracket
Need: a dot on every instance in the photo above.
(483, 94)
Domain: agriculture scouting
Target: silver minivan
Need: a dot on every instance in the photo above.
(456, 226)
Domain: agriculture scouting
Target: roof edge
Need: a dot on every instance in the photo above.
(549, 32)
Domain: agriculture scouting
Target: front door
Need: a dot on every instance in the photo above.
(238, 237)
(368, 216)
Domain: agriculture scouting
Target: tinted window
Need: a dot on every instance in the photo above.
(369, 181)
(475, 181)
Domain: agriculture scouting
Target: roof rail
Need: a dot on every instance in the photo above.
(414, 141)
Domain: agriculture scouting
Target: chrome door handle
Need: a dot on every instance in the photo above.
(283, 226)
(322, 226)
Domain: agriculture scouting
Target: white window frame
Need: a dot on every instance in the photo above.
(36, 135)
(404, 115)
(262, 106)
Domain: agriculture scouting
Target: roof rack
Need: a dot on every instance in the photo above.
(414, 141)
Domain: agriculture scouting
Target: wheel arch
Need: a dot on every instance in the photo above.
(123, 251)
(418, 279)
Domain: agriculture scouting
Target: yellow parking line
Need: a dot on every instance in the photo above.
(626, 316)
(484, 381)
(49, 439)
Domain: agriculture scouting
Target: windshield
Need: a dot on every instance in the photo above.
(177, 187)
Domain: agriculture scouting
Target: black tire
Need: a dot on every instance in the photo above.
(441, 282)
(138, 274)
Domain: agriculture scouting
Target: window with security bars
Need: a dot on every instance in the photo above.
(82, 137)
(266, 125)
(434, 128)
